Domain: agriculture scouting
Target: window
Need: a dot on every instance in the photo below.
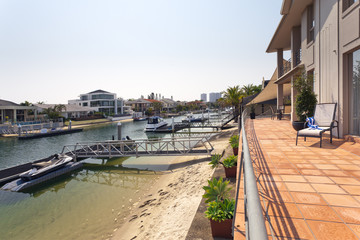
(85, 104)
(84, 98)
(310, 24)
(354, 93)
(347, 4)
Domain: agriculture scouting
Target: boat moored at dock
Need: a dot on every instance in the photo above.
(155, 123)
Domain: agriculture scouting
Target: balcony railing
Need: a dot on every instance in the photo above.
(286, 67)
(254, 218)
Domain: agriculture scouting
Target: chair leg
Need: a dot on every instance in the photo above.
(304, 139)
(320, 141)
(297, 135)
(330, 135)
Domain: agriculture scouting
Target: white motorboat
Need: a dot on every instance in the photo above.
(190, 118)
(155, 123)
(45, 168)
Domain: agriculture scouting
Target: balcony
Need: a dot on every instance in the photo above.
(287, 65)
(306, 192)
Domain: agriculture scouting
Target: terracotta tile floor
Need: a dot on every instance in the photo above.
(307, 192)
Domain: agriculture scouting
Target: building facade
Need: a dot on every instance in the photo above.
(203, 97)
(323, 38)
(100, 101)
(214, 96)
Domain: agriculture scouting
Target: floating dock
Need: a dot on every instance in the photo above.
(49, 133)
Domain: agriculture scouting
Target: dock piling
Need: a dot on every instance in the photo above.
(119, 130)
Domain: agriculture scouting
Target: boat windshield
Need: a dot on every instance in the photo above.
(153, 120)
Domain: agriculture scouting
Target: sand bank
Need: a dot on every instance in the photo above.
(167, 210)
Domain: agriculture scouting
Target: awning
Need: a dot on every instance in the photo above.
(269, 94)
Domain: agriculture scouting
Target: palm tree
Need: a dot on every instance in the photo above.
(251, 89)
(59, 108)
(233, 96)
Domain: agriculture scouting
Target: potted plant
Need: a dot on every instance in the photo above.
(230, 165)
(220, 209)
(220, 214)
(305, 99)
(252, 111)
(234, 142)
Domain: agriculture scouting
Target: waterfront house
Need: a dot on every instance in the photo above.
(70, 110)
(323, 38)
(138, 105)
(169, 104)
(101, 101)
(11, 112)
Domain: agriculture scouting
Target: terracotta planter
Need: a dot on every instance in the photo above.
(221, 229)
(230, 172)
(298, 125)
(235, 151)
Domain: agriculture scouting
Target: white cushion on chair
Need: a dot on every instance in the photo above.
(311, 132)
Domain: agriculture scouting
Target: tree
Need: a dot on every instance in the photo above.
(26, 103)
(233, 96)
(157, 106)
(251, 89)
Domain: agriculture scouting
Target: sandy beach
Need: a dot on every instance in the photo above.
(166, 211)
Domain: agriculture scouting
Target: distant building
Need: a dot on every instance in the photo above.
(168, 104)
(12, 112)
(203, 97)
(70, 110)
(100, 101)
(214, 96)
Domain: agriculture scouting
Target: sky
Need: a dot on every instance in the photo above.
(53, 51)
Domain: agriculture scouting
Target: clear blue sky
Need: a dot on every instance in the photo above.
(53, 51)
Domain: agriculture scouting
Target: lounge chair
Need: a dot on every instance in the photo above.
(324, 117)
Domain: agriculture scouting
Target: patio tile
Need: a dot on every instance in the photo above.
(289, 228)
(349, 215)
(327, 188)
(305, 166)
(336, 173)
(278, 196)
(282, 210)
(351, 167)
(240, 222)
(299, 187)
(326, 166)
(308, 198)
(340, 200)
(312, 172)
(318, 179)
(270, 178)
(331, 230)
(293, 178)
(345, 180)
(355, 228)
(353, 190)
(341, 162)
(287, 171)
(273, 186)
(317, 212)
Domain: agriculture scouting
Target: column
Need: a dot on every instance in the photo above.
(280, 59)
(295, 46)
(14, 115)
(293, 99)
(280, 95)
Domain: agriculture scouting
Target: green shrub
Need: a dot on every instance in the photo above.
(215, 160)
(306, 98)
(217, 190)
(230, 161)
(221, 210)
(234, 141)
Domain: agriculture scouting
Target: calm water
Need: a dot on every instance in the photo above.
(89, 203)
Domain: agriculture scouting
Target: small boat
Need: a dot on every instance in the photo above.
(154, 123)
(44, 168)
(191, 118)
(137, 119)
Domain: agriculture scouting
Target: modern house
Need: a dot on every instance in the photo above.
(11, 112)
(323, 37)
(100, 101)
(168, 104)
(138, 105)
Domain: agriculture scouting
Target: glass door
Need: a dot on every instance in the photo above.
(355, 95)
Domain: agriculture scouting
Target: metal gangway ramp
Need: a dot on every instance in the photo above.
(143, 147)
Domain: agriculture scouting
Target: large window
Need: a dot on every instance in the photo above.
(355, 94)
(347, 4)
(310, 23)
(102, 96)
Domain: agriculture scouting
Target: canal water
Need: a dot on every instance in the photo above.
(89, 203)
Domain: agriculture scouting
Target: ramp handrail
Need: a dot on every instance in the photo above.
(254, 218)
(141, 147)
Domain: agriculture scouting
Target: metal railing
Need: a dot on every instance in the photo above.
(254, 218)
(142, 147)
